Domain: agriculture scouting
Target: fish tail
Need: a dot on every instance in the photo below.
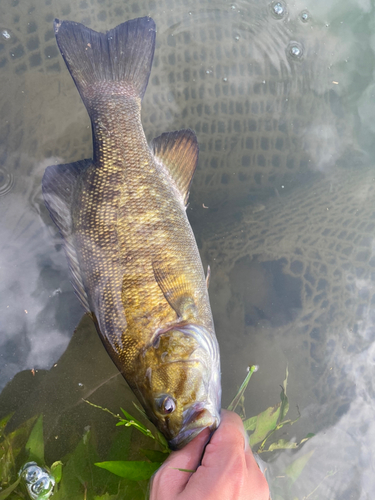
(123, 54)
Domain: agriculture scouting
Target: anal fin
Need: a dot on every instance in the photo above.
(58, 186)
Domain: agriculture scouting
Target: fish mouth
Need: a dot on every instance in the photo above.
(196, 422)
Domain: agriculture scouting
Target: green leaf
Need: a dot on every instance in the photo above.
(154, 455)
(79, 471)
(56, 471)
(11, 445)
(141, 410)
(284, 399)
(250, 423)
(129, 417)
(134, 470)
(4, 421)
(294, 470)
(35, 443)
(309, 436)
(121, 444)
(127, 490)
(162, 441)
(184, 470)
(266, 422)
(5, 493)
(233, 405)
(283, 444)
(131, 421)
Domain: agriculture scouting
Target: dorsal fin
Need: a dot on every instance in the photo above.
(178, 151)
(58, 186)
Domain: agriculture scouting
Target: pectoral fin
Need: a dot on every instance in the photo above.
(176, 290)
(178, 151)
(58, 186)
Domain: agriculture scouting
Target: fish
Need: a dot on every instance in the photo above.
(133, 258)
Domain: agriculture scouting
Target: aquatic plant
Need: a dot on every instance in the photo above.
(82, 473)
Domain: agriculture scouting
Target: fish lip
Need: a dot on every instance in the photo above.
(177, 443)
(189, 432)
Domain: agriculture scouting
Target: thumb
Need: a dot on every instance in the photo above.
(169, 481)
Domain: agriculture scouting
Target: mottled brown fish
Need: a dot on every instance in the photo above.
(132, 254)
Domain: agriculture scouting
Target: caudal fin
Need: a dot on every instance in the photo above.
(123, 54)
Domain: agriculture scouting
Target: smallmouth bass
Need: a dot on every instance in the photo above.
(133, 258)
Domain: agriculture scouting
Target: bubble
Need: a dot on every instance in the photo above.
(43, 486)
(5, 34)
(305, 16)
(6, 181)
(294, 50)
(31, 472)
(39, 482)
(278, 9)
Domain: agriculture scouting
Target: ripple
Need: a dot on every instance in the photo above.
(6, 181)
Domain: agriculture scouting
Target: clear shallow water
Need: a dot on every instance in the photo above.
(282, 99)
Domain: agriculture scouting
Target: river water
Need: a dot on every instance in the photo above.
(282, 98)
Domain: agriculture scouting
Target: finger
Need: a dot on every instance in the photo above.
(228, 463)
(256, 478)
(227, 440)
(171, 481)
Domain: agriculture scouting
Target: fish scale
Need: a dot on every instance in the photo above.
(140, 293)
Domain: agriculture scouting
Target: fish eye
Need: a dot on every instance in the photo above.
(167, 405)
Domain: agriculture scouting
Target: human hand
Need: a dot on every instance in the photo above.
(228, 470)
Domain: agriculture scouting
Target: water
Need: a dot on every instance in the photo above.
(281, 96)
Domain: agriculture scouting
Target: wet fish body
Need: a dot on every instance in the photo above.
(132, 254)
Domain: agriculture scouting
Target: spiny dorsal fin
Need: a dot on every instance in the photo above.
(178, 151)
(58, 190)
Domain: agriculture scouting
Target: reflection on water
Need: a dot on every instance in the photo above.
(281, 96)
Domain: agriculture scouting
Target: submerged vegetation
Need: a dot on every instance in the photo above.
(88, 473)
